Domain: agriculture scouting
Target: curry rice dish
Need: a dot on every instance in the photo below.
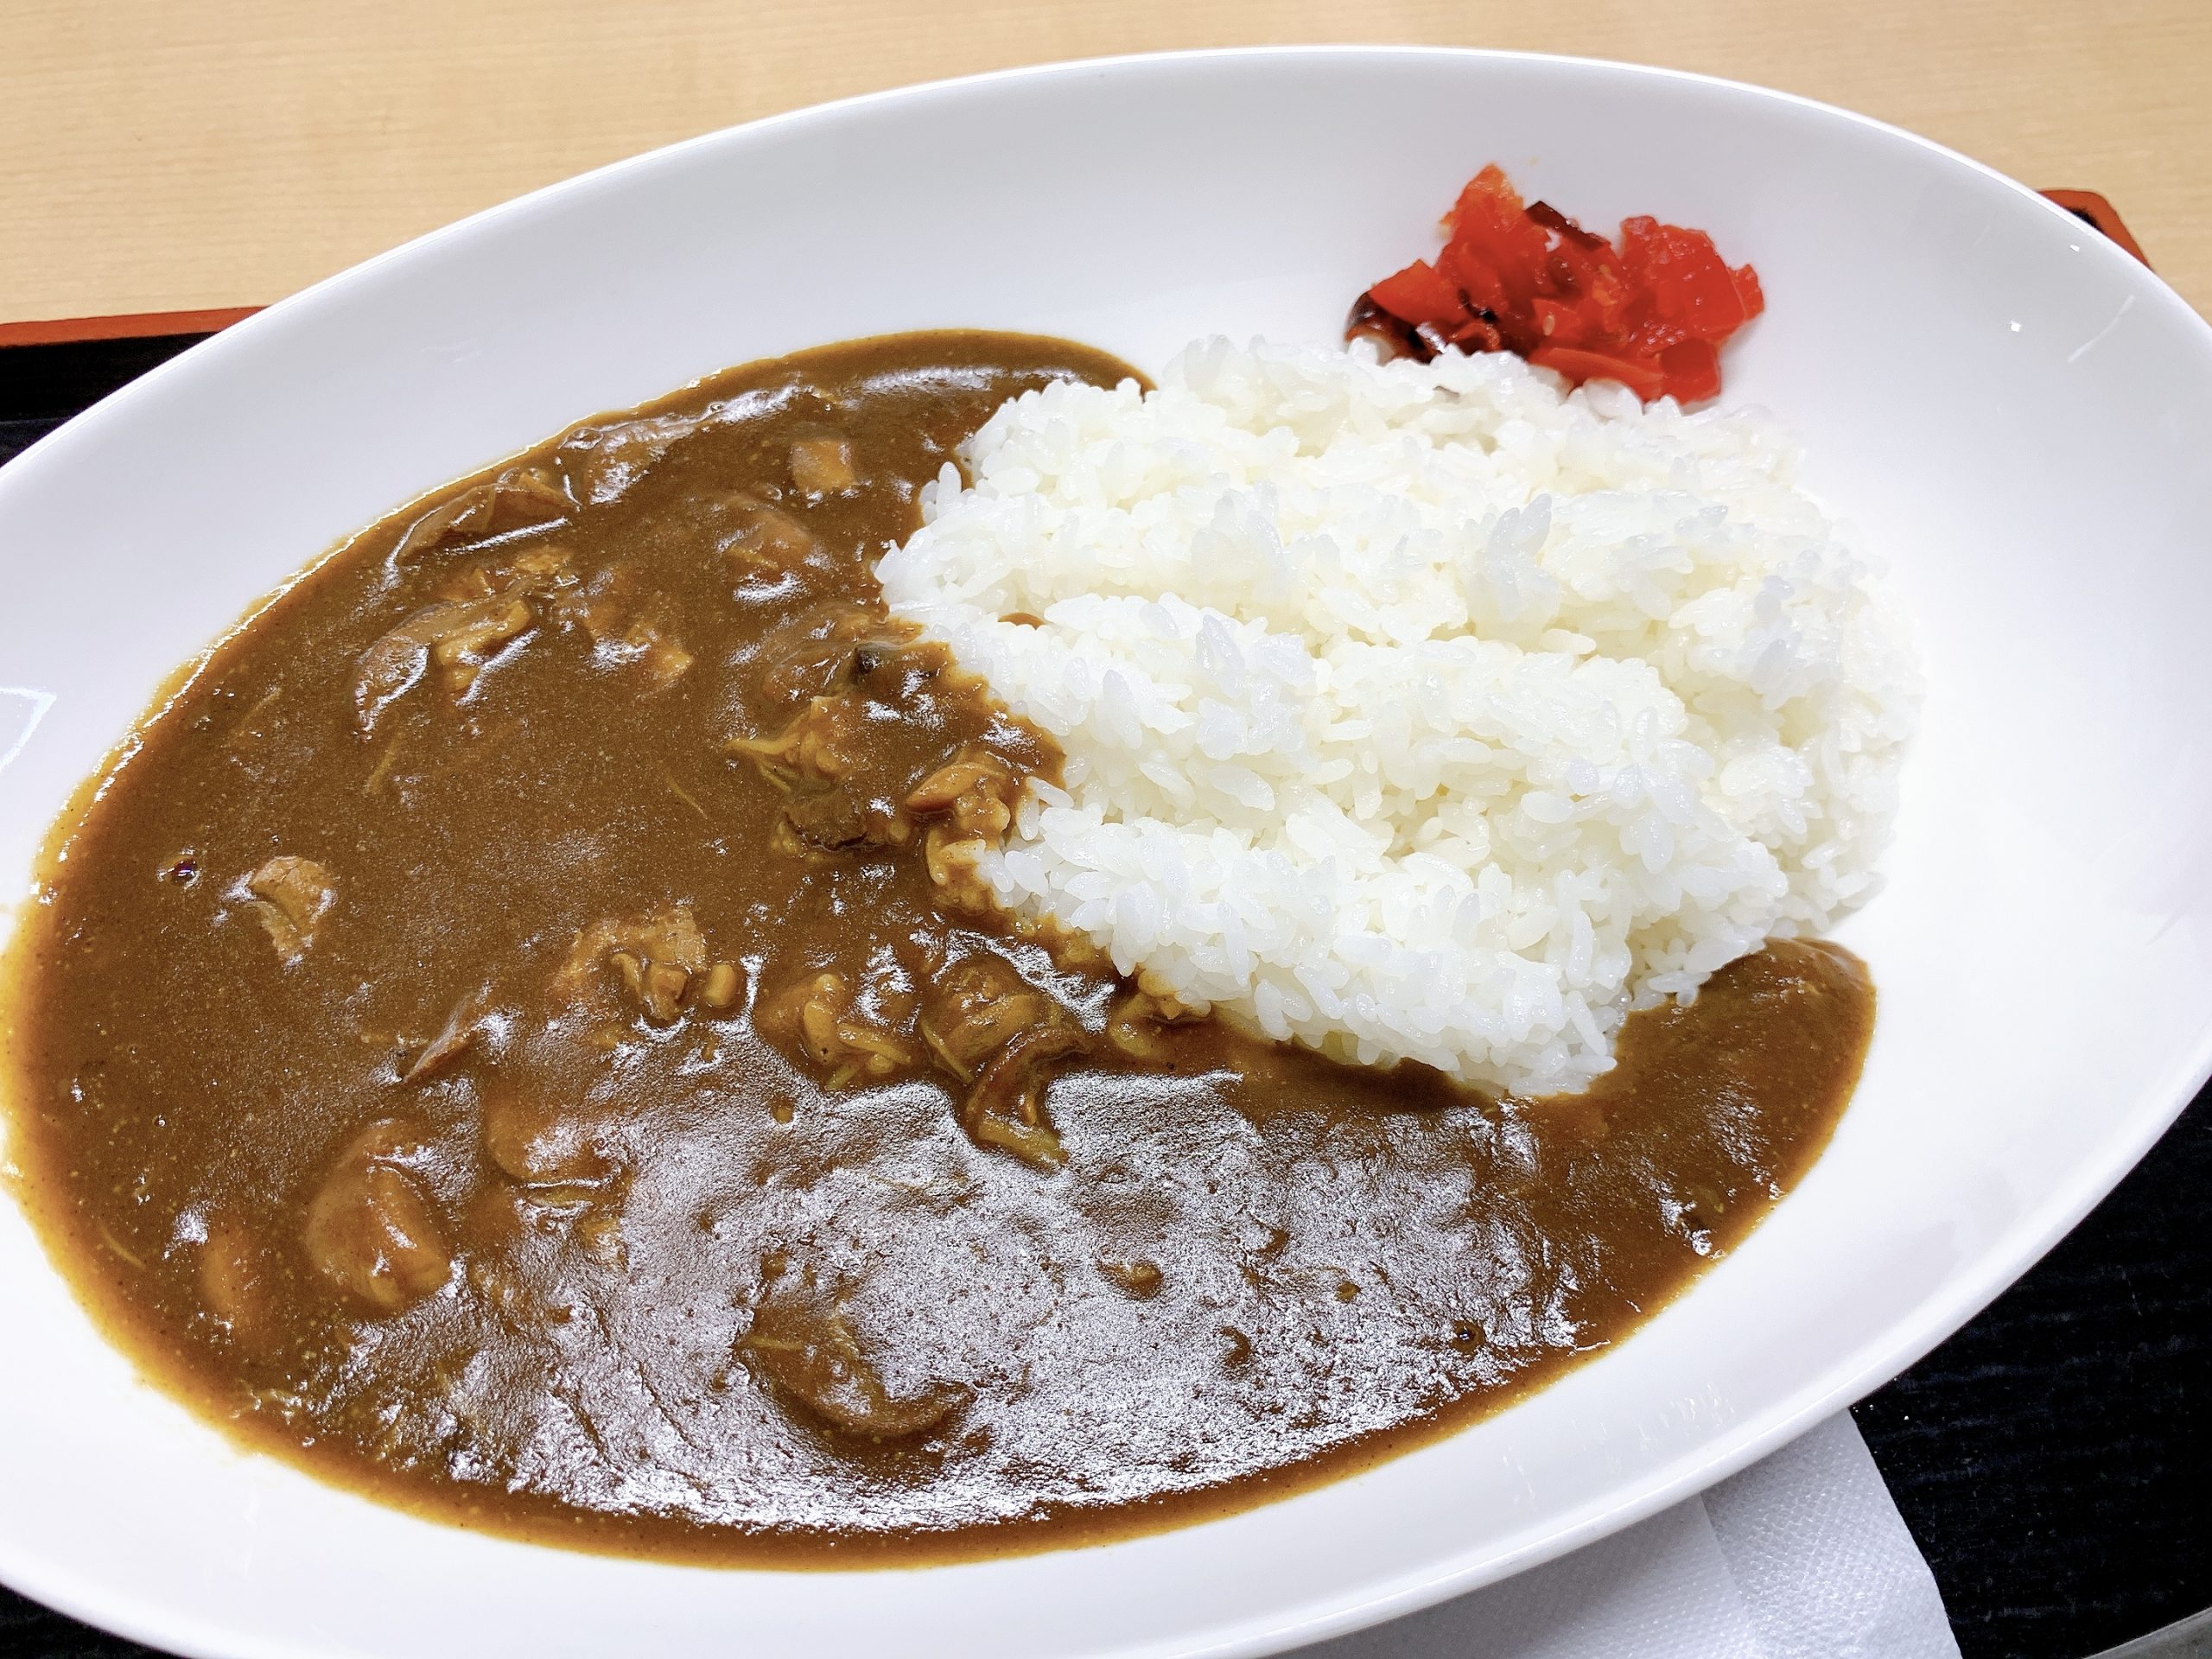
(517, 1033)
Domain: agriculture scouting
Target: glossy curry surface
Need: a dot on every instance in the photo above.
(518, 1034)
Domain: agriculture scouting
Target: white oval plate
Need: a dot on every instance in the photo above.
(2015, 413)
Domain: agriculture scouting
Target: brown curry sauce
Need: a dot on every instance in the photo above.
(514, 1035)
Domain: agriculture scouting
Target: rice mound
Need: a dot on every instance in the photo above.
(1419, 711)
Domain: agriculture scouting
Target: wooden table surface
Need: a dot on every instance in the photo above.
(158, 157)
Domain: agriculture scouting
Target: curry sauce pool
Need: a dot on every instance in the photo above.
(513, 1036)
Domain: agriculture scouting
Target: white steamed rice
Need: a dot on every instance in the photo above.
(1419, 711)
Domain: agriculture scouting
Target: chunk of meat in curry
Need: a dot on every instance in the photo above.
(370, 1229)
(291, 895)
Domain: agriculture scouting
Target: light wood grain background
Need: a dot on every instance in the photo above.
(159, 155)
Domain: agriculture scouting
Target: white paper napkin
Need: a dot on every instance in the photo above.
(1803, 1556)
